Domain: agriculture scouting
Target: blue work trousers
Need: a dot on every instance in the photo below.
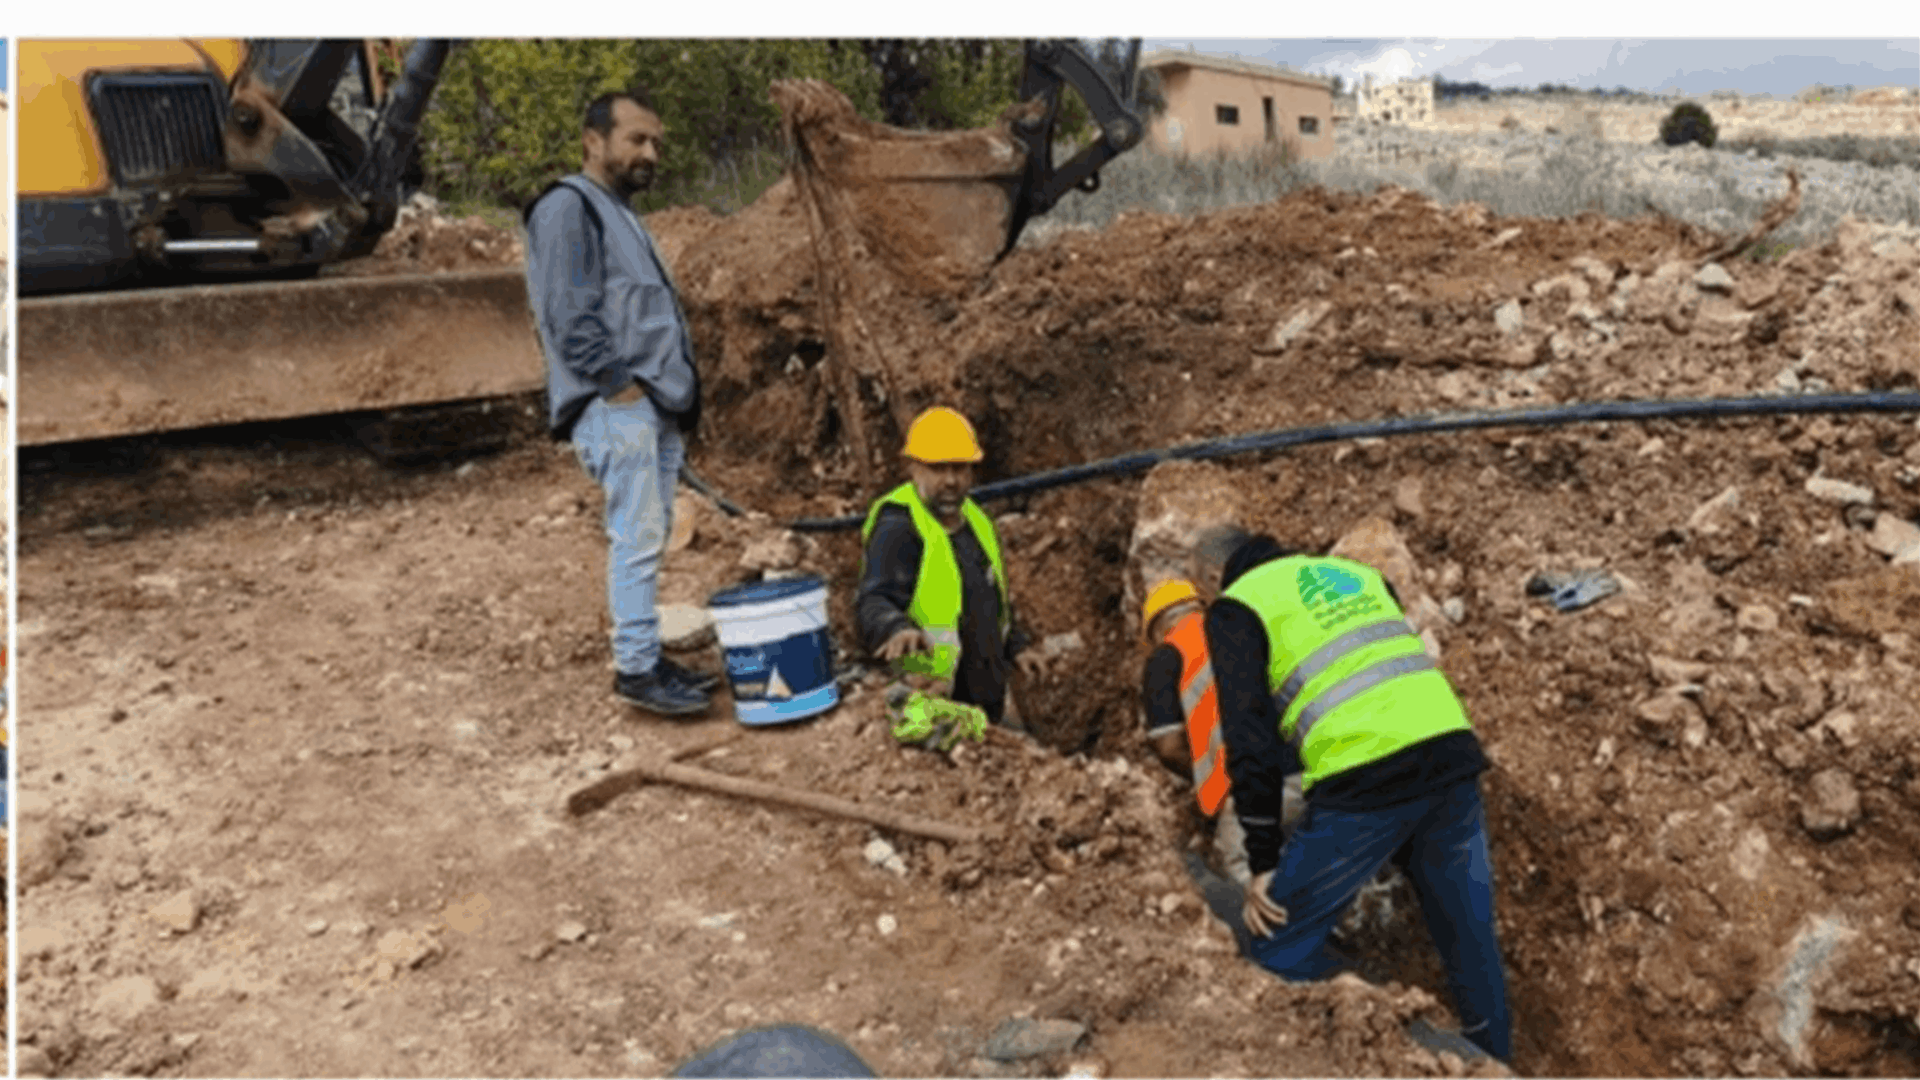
(634, 454)
(1331, 854)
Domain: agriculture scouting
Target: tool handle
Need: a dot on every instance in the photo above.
(702, 779)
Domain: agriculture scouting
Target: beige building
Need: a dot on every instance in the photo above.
(1237, 105)
(1407, 102)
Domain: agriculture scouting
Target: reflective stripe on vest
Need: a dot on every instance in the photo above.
(1201, 707)
(1191, 693)
(1329, 654)
(1352, 687)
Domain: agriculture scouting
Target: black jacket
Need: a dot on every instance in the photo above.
(892, 570)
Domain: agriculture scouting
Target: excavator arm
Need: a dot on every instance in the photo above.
(1052, 65)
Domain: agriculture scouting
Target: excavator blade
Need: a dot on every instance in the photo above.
(103, 365)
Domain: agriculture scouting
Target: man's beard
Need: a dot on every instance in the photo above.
(636, 180)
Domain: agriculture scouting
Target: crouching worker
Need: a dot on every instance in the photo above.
(1313, 659)
(933, 598)
(1183, 718)
(1183, 714)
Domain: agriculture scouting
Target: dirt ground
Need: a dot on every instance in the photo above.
(302, 725)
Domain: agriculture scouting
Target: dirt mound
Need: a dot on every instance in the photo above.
(1325, 306)
(425, 240)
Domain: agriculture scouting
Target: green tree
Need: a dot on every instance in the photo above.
(1688, 122)
(506, 117)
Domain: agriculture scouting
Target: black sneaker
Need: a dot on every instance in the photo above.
(658, 695)
(700, 681)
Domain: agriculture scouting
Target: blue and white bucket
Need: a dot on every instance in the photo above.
(779, 657)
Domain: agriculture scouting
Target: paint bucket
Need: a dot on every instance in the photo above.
(778, 654)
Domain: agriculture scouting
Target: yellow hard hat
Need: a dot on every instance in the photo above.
(1165, 595)
(939, 436)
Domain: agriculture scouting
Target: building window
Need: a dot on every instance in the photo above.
(1309, 125)
(1227, 114)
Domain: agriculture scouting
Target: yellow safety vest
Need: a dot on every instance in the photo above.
(937, 593)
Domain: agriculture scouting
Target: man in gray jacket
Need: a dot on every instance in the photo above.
(621, 381)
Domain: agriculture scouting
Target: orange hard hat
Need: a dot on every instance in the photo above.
(1165, 595)
(939, 436)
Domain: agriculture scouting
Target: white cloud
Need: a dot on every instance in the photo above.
(1483, 72)
(1389, 66)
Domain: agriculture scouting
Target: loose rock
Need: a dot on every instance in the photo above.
(1020, 1038)
(124, 999)
(1407, 497)
(179, 912)
(778, 551)
(1759, 618)
(570, 931)
(1893, 537)
(1833, 805)
(685, 627)
(1509, 318)
(1058, 645)
(878, 852)
(1303, 319)
(1827, 489)
(1714, 277)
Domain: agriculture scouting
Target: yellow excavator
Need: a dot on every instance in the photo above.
(173, 195)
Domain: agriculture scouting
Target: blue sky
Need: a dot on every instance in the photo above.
(1777, 66)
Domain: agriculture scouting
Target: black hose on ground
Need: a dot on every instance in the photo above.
(1543, 416)
(692, 480)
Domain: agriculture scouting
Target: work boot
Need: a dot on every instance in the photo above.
(700, 681)
(658, 695)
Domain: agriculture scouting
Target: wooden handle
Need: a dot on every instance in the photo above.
(639, 772)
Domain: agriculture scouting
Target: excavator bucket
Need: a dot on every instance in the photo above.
(934, 206)
(904, 222)
(102, 365)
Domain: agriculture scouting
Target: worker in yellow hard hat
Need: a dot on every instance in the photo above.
(933, 582)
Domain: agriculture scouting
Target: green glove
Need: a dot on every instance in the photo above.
(936, 723)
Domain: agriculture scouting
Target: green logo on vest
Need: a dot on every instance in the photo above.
(1333, 596)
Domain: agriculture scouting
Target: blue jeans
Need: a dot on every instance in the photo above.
(635, 456)
(1330, 855)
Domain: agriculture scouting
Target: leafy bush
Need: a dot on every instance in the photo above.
(1688, 122)
(505, 119)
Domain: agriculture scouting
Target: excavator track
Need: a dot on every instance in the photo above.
(106, 365)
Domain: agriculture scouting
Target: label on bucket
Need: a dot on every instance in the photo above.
(783, 680)
(778, 654)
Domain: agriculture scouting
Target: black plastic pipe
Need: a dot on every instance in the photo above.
(1543, 416)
